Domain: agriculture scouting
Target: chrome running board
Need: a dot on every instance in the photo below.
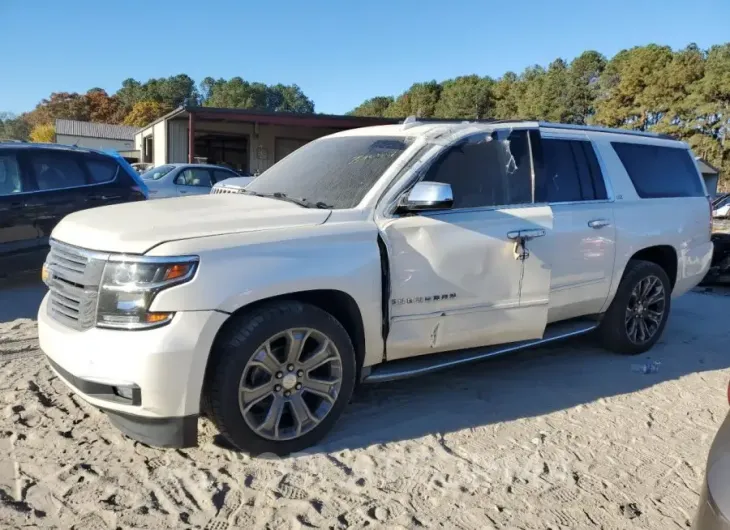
(424, 364)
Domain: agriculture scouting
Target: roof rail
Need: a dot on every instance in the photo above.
(412, 121)
(597, 128)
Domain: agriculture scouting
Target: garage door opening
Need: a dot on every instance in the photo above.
(225, 150)
(285, 146)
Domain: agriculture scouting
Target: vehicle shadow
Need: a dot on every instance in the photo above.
(534, 382)
(21, 297)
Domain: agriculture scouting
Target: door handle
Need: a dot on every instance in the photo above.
(526, 235)
(599, 223)
(183, 192)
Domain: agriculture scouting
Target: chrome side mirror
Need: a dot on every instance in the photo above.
(426, 196)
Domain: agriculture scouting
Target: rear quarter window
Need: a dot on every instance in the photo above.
(101, 170)
(658, 171)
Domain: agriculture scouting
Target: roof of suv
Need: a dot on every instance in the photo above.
(439, 128)
(56, 147)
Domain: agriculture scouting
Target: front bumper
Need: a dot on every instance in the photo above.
(160, 372)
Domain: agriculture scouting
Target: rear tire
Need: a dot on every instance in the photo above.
(638, 314)
(295, 355)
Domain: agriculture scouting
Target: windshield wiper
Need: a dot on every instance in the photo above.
(301, 201)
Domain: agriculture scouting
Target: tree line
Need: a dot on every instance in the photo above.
(138, 104)
(685, 93)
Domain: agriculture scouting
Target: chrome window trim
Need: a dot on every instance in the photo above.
(474, 209)
(35, 192)
(592, 201)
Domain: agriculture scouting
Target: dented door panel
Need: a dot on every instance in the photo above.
(456, 278)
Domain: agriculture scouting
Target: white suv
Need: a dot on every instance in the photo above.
(366, 256)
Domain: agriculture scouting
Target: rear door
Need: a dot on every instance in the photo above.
(108, 182)
(194, 181)
(19, 245)
(60, 185)
(569, 179)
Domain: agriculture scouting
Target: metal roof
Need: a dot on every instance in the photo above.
(95, 130)
(273, 118)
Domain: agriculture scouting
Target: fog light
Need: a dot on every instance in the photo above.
(124, 392)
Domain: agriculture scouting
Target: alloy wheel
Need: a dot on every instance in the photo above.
(290, 384)
(645, 310)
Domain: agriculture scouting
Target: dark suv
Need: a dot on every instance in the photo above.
(42, 183)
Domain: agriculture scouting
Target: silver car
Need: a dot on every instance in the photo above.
(713, 512)
(179, 180)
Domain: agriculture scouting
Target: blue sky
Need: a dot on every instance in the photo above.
(338, 52)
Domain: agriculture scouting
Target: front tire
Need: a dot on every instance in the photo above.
(638, 314)
(281, 378)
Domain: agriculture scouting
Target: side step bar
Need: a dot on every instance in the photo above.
(424, 364)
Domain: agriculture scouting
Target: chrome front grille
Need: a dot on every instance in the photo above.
(226, 190)
(73, 280)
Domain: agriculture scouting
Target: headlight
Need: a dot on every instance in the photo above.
(129, 284)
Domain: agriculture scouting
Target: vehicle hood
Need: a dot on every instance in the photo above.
(139, 226)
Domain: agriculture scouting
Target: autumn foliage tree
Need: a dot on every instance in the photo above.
(145, 112)
(685, 93)
(43, 133)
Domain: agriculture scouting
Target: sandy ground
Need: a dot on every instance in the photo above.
(561, 437)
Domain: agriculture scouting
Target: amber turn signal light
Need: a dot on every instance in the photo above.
(155, 318)
(176, 271)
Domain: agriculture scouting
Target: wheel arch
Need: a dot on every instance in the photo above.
(341, 305)
(665, 256)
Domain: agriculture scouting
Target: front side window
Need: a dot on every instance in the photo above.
(56, 170)
(194, 177)
(10, 181)
(658, 171)
(487, 170)
(336, 171)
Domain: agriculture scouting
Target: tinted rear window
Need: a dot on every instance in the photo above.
(570, 172)
(56, 170)
(658, 171)
(101, 169)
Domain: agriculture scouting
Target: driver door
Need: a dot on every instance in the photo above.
(465, 277)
